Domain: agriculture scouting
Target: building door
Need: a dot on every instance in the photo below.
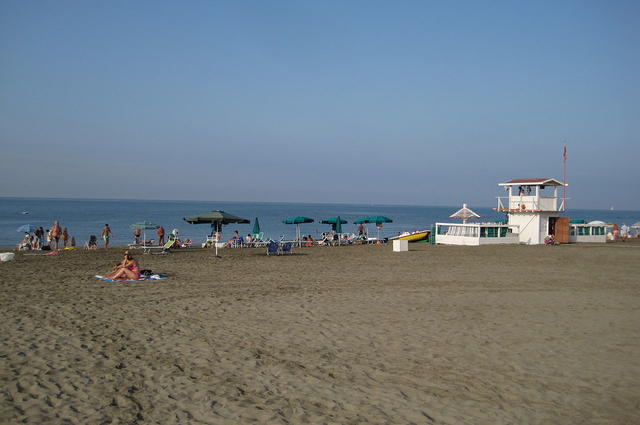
(552, 226)
(560, 229)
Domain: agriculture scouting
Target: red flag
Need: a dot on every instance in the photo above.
(564, 153)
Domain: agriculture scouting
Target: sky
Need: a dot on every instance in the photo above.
(411, 102)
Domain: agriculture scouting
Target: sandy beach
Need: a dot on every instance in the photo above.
(342, 335)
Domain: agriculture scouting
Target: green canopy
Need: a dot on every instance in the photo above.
(256, 226)
(217, 217)
(339, 225)
(377, 219)
(297, 220)
(374, 219)
(334, 220)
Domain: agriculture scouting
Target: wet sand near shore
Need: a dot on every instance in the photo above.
(329, 335)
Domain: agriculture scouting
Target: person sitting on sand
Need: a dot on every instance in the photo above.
(25, 243)
(233, 241)
(127, 269)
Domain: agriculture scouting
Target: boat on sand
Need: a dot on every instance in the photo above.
(415, 236)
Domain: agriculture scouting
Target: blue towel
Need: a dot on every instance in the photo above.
(152, 277)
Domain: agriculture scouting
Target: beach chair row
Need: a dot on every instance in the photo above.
(275, 248)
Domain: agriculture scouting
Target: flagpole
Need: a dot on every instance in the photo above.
(564, 172)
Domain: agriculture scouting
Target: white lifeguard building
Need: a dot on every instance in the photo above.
(533, 210)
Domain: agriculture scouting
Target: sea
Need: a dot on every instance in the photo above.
(85, 217)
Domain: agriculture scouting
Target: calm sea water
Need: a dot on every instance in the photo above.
(84, 217)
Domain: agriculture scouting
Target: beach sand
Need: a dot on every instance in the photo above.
(343, 335)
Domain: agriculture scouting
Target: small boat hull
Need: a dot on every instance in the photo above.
(412, 237)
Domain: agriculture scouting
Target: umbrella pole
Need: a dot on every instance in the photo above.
(217, 238)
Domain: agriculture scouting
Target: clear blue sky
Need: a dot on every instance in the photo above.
(360, 101)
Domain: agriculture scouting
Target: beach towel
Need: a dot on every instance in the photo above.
(152, 277)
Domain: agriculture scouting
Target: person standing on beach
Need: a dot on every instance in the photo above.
(160, 233)
(65, 237)
(106, 234)
(55, 234)
(37, 242)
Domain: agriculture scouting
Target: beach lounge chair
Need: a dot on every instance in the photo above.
(143, 245)
(273, 248)
(164, 249)
(286, 248)
(259, 240)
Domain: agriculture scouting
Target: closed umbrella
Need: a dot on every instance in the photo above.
(217, 219)
(333, 221)
(256, 226)
(298, 220)
(144, 225)
(339, 229)
(27, 228)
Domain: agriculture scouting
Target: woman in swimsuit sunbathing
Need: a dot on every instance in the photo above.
(127, 269)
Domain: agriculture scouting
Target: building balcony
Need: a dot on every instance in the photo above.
(529, 203)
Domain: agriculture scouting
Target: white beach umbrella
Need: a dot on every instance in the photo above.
(596, 223)
(464, 213)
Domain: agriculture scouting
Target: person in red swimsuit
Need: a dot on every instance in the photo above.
(127, 269)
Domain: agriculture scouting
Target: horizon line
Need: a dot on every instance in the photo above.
(268, 202)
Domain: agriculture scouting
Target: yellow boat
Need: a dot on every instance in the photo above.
(414, 236)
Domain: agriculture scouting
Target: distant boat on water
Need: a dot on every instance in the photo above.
(25, 212)
(611, 208)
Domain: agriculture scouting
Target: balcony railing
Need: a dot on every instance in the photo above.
(529, 203)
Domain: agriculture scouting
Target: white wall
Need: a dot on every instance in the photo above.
(588, 238)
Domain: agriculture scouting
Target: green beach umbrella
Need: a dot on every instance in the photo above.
(216, 218)
(377, 219)
(298, 220)
(339, 224)
(256, 226)
(333, 221)
(144, 225)
(339, 229)
(374, 219)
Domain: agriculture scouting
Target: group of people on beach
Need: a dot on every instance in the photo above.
(44, 239)
(58, 237)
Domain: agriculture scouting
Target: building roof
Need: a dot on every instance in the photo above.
(533, 182)
(464, 213)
